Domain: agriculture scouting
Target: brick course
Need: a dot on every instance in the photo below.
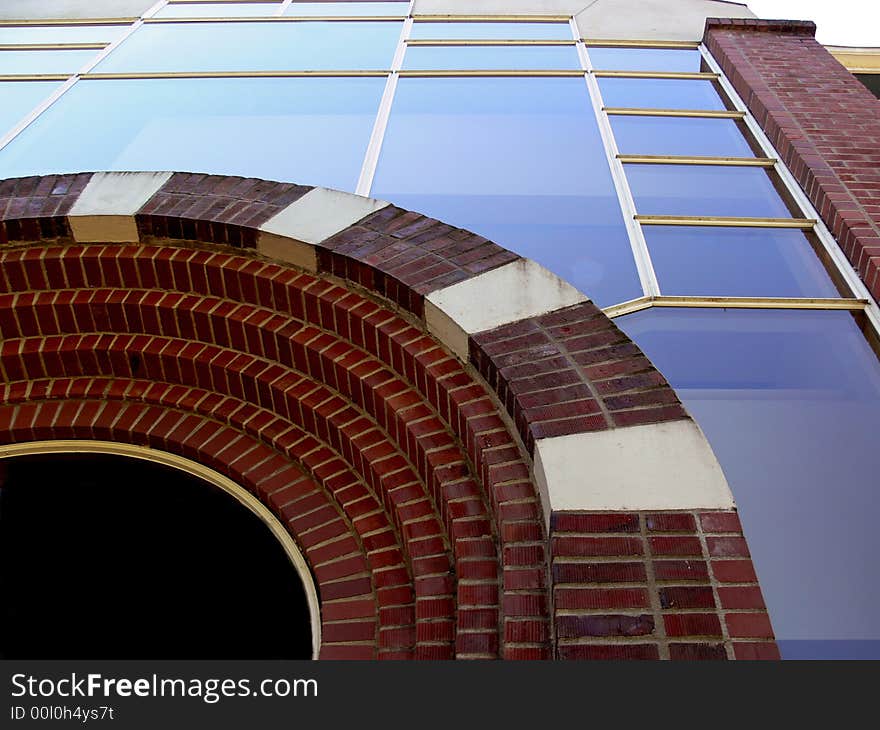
(655, 585)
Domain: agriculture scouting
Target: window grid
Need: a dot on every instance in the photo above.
(803, 217)
(858, 299)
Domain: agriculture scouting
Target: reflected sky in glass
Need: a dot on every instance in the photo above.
(706, 190)
(645, 59)
(736, 262)
(687, 136)
(44, 62)
(348, 8)
(830, 649)
(492, 31)
(270, 46)
(217, 10)
(660, 93)
(491, 57)
(307, 130)
(790, 401)
(496, 156)
(61, 34)
(19, 98)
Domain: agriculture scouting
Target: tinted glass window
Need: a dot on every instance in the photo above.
(491, 57)
(61, 33)
(736, 262)
(349, 8)
(19, 97)
(660, 93)
(704, 190)
(256, 47)
(309, 130)
(645, 59)
(491, 31)
(498, 157)
(44, 62)
(790, 402)
(688, 136)
(217, 10)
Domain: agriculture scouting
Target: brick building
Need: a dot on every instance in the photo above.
(528, 330)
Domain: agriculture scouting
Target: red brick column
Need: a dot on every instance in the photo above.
(673, 585)
(824, 123)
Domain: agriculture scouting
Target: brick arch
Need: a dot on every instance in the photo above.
(431, 453)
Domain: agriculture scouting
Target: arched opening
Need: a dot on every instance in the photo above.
(107, 556)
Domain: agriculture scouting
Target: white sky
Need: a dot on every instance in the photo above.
(839, 22)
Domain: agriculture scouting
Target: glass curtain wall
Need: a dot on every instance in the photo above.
(632, 172)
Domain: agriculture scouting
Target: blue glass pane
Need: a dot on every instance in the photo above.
(61, 34)
(307, 130)
(348, 8)
(736, 262)
(492, 31)
(495, 156)
(266, 46)
(660, 93)
(645, 59)
(218, 10)
(790, 402)
(687, 136)
(44, 62)
(491, 57)
(19, 97)
(704, 190)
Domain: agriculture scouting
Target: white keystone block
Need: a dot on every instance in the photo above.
(512, 292)
(319, 214)
(105, 209)
(657, 466)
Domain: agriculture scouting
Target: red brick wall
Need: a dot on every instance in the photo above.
(671, 585)
(824, 123)
(572, 371)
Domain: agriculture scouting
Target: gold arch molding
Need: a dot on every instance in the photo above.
(245, 498)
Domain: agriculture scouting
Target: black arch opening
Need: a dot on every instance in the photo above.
(110, 557)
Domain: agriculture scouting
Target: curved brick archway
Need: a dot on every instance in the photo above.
(428, 457)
